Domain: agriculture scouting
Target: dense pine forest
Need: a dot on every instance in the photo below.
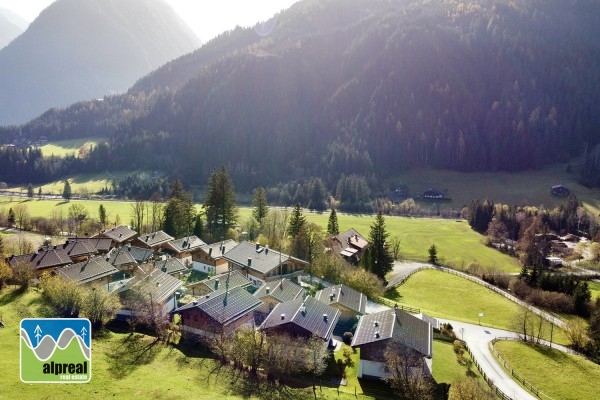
(334, 89)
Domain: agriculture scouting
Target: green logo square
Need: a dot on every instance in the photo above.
(56, 350)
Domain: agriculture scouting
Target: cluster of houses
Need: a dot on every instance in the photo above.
(247, 284)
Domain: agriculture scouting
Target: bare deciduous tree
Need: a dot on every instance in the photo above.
(407, 372)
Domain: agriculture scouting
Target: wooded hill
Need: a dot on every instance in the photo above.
(368, 87)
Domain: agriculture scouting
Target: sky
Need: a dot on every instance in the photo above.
(207, 18)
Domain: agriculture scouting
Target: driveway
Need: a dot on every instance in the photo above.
(478, 338)
(402, 269)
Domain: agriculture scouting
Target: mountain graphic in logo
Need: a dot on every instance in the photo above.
(56, 350)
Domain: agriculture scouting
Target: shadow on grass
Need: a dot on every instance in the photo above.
(42, 308)
(393, 294)
(8, 295)
(131, 352)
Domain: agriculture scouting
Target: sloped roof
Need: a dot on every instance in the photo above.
(139, 254)
(263, 259)
(188, 243)
(154, 282)
(119, 233)
(101, 244)
(170, 265)
(236, 278)
(121, 256)
(76, 248)
(224, 306)
(44, 258)
(352, 238)
(344, 295)
(155, 238)
(282, 290)
(87, 271)
(218, 249)
(394, 324)
(310, 314)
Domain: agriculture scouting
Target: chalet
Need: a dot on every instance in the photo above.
(95, 271)
(46, 259)
(78, 251)
(375, 332)
(217, 313)
(172, 266)
(161, 288)
(350, 302)
(350, 245)
(278, 291)
(122, 259)
(141, 255)
(261, 264)
(101, 244)
(183, 249)
(433, 194)
(222, 281)
(153, 241)
(119, 235)
(303, 318)
(559, 191)
(209, 258)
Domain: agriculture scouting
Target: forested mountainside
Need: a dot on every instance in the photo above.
(85, 49)
(10, 27)
(339, 87)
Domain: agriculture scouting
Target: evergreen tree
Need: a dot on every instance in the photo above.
(259, 203)
(40, 192)
(297, 221)
(179, 211)
(433, 259)
(333, 227)
(102, 215)
(30, 191)
(11, 217)
(379, 260)
(198, 226)
(66, 194)
(219, 204)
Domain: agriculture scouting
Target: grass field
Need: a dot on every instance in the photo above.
(448, 296)
(563, 376)
(64, 148)
(595, 289)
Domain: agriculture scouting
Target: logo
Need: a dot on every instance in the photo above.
(56, 350)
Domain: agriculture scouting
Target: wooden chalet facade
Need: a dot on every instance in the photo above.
(210, 257)
(184, 249)
(119, 235)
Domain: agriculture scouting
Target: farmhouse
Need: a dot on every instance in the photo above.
(261, 264)
(78, 251)
(45, 259)
(350, 302)
(220, 312)
(101, 244)
(376, 331)
(172, 266)
(152, 241)
(350, 245)
(433, 194)
(559, 191)
(303, 318)
(184, 248)
(159, 287)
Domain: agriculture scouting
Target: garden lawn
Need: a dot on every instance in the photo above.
(563, 376)
(446, 367)
(448, 296)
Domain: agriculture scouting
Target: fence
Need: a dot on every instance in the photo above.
(515, 375)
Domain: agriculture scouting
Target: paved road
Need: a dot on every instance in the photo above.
(478, 338)
(402, 269)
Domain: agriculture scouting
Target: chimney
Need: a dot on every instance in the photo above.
(325, 317)
(303, 310)
(377, 334)
(282, 316)
(376, 323)
(195, 302)
(209, 251)
(267, 289)
(257, 246)
(249, 261)
(216, 284)
(267, 249)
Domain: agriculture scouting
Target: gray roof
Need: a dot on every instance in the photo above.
(76, 248)
(316, 317)
(344, 295)
(262, 259)
(224, 306)
(394, 324)
(120, 256)
(352, 238)
(87, 271)
(218, 249)
(139, 254)
(155, 238)
(119, 233)
(188, 243)
(170, 265)
(236, 278)
(282, 290)
(154, 282)
(101, 244)
(43, 258)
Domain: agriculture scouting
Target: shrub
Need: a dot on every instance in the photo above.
(347, 338)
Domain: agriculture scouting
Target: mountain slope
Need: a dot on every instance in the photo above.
(82, 49)
(362, 87)
(10, 27)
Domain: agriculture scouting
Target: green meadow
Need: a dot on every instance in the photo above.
(72, 147)
(563, 376)
(447, 296)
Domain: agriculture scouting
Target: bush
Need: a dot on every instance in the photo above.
(347, 337)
